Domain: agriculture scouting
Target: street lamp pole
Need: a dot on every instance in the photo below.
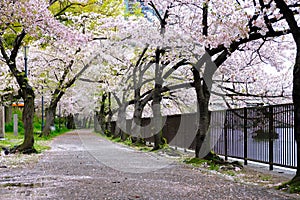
(25, 58)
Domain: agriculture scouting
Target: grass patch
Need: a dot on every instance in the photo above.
(128, 142)
(290, 186)
(41, 143)
(11, 140)
(265, 177)
(54, 134)
(195, 161)
(230, 173)
(215, 164)
(198, 162)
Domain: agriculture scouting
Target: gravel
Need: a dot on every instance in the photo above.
(82, 165)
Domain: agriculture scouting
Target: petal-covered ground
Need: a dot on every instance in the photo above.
(82, 165)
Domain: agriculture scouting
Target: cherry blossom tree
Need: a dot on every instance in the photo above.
(59, 69)
(223, 28)
(70, 57)
(22, 21)
(219, 51)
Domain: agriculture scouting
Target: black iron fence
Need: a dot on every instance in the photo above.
(262, 134)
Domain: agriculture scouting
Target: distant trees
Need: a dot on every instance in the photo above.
(22, 22)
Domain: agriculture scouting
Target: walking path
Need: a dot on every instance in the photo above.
(82, 165)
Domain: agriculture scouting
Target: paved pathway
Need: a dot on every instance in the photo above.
(82, 165)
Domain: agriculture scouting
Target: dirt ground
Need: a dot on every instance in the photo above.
(82, 165)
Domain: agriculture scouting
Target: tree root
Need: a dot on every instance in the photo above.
(292, 186)
(23, 150)
(215, 159)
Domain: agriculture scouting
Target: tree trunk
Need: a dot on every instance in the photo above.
(100, 116)
(203, 95)
(295, 30)
(120, 130)
(8, 109)
(97, 126)
(70, 122)
(50, 116)
(8, 114)
(27, 118)
(110, 115)
(90, 122)
(157, 130)
(157, 117)
(136, 129)
(296, 100)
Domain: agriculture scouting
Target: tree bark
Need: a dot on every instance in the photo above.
(121, 125)
(8, 114)
(50, 116)
(110, 115)
(70, 122)
(203, 96)
(157, 119)
(157, 97)
(8, 109)
(296, 100)
(295, 29)
(27, 118)
(137, 120)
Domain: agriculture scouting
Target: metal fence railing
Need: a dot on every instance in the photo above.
(262, 134)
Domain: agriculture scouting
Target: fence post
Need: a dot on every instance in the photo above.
(271, 133)
(225, 136)
(245, 137)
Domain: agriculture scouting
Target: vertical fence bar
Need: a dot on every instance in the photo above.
(226, 136)
(271, 135)
(245, 137)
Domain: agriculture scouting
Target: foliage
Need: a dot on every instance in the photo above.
(40, 145)
(106, 7)
(55, 133)
(37, 123)
(9, 127)
(128, 142)
(11, 141)
(195, 161)
(290, 186)
(216, 164)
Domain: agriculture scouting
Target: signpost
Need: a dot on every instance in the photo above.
(16, 124)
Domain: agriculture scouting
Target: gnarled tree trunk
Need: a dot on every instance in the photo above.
(50, 116)
(27, 118)
(121, 128)
(295, 30)
(203, 96)
(137, 122)
(157, 117)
